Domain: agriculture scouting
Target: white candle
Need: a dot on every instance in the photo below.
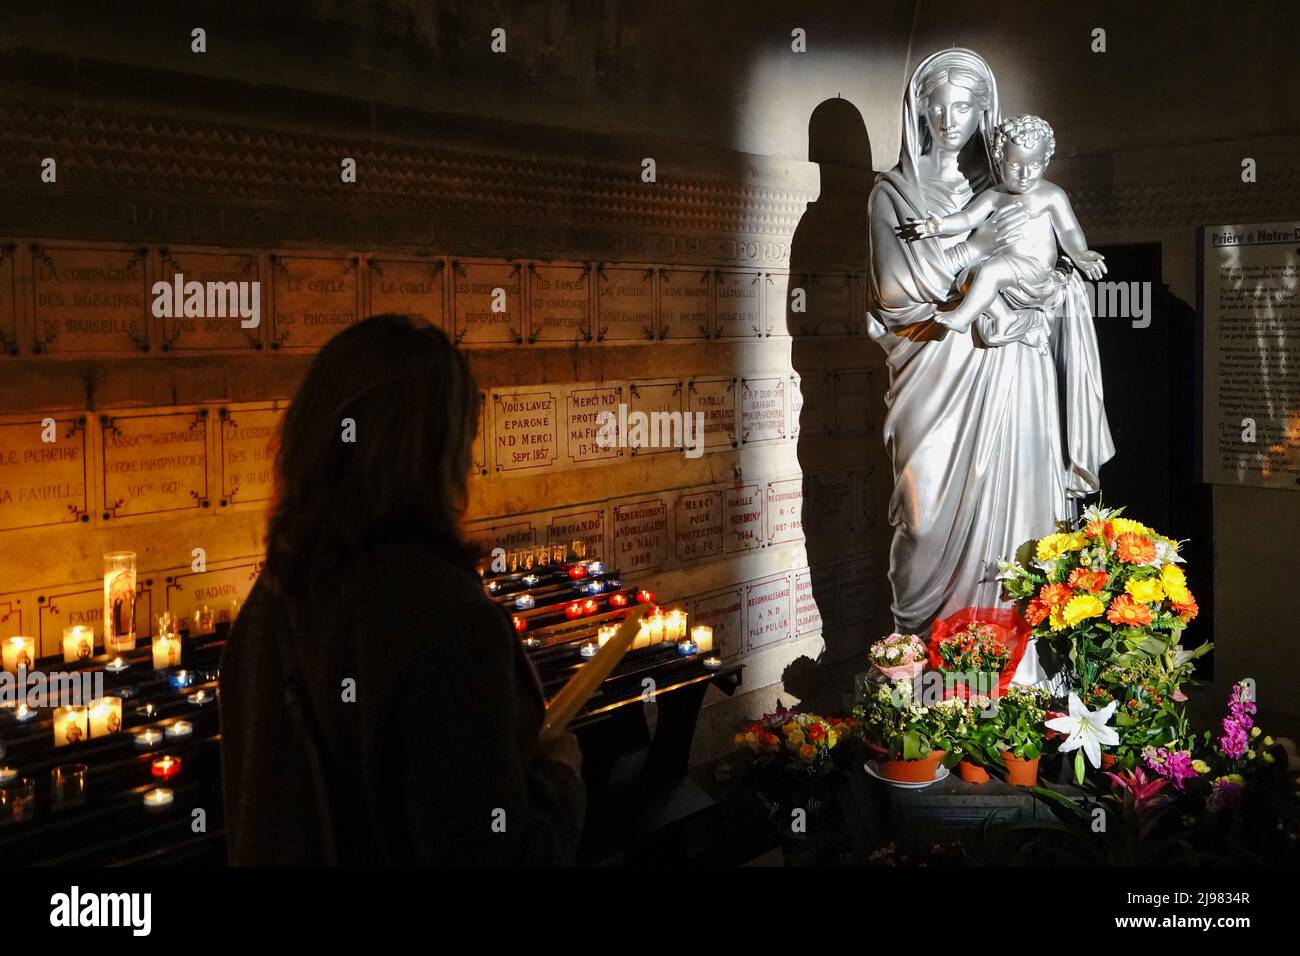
(148, 738)
(23, 713)
(19, 652)
(78, 643)
(116, 665)
(588, 650)
(702, 635)
(105, 716)
(70, 725)
(675, 625)
(166, 651)
(642, 635)
(656, 627)
(179, 730)
(159, 798)
(712, 663)
(200, 697)
(605, 633)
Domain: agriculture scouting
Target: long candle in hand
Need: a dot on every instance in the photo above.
(578, 691)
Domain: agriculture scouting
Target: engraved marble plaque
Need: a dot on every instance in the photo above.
(807, 612)
(744, 517)
(247, 455)
(43, 483)
(776, 302)
(154, 463)
(583, 405)
(738, 304)
(479, 450)
(831, 497)
(662, 430)
(641, 534)
(768, 612)
(796, 405)
(586, 525)
(784, 510)
(409, 287)
(487, 302)
(829, 300)
(8, 303)
(215, 588)
(525, 429)
(217, 324)
(507, 535)
(313, 298)
(852, 400)
(698, 524)
(684, 303)
(724, 611)
(89, 300)
(625, 304)
(715, 399)
(762, 409)
(855, 601)
(561, 302)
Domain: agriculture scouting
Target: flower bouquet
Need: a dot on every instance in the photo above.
(977, 649)
(801, 743)
(898, 655)
(1107, 588)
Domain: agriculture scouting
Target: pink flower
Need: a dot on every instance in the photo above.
(1135, 782)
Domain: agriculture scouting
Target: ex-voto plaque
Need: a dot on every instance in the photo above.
(561, 302)
(247, 457)
(408, 287)
(487, 302)
(231, 286)
(43, 482)
(154, 463)
(8, 303)
(738, 306)
(684, 303)
(625, 309)
(88, 300)
(312, 299)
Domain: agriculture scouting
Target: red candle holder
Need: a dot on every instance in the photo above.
(520, 624)
(645, 597)
(164, 768)
(574, 610)
(618, 600)
(577, 571)
(590, 606)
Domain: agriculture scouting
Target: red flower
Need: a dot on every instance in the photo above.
(1054, 594)
(1187, 610)
(1100, 529)
(815, 732)
(1091, 581)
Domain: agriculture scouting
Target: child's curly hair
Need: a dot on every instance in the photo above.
(1024, 131)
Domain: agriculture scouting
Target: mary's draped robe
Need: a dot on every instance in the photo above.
(990, 440)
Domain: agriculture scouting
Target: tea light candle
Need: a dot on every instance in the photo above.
(530, 580)
(590, 607)
(70, 725)
(158, 799)
(164, 768)
(687, 648)
(712, 663)
(19, 652)
(532, 643)
(577, 571)
(148, 738)
(166, 650)
(593, 587)
(23, 713)
(596, 567)
(573, 610)
(618, 600)
(7, 774)
(588, 650)
(525, 602)
(605, 633)
(78, 643)
(105, 716)
(645, 597)
(200, 698)
(179, 730)
(521, 625)
(180, 679)
(702, 635)
(116, 665)
(493, 587)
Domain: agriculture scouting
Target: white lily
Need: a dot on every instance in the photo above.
(1097, 513)
(1166, 553)
(1009, 569)
(1087, 729)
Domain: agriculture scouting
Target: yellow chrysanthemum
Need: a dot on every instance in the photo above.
(1146, 591)
(1055, 545)
(1175, 583)
(1081, 608)
(1121, 525)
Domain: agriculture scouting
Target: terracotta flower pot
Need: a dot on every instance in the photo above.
(972, 772)
(912, 771)
(1020, 773)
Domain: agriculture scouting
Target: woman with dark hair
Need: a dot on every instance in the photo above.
(376, 707)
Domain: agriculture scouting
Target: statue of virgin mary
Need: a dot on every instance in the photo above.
(992, 441)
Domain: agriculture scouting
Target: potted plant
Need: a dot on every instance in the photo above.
(898, 655)
(1020, 729)
(910, 739)
(976, 743)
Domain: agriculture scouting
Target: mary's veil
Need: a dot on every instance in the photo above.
(977, 157)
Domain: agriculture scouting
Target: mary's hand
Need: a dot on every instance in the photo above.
(1003, 229)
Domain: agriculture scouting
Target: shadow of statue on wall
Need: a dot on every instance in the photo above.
(843, 462)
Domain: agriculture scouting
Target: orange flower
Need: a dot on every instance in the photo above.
(1036, 612)
(1054, 594)
(815, 732)
(1187, 610)
(1125, 610)
(1132, 548)
(1085, 580)
(1100, 529)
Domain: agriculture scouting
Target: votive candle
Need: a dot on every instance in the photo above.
(702, 635)
(158, 799)
(70, 725)
(19, 652)
(166, 650)
(164, 768)
(78, 643)
(105, 716)
(119, 601)
(148, 738)
(179, 730)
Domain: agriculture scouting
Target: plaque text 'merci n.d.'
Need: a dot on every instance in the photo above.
(154, 463)
(89, 300)
(42, 482)
(313, 298)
